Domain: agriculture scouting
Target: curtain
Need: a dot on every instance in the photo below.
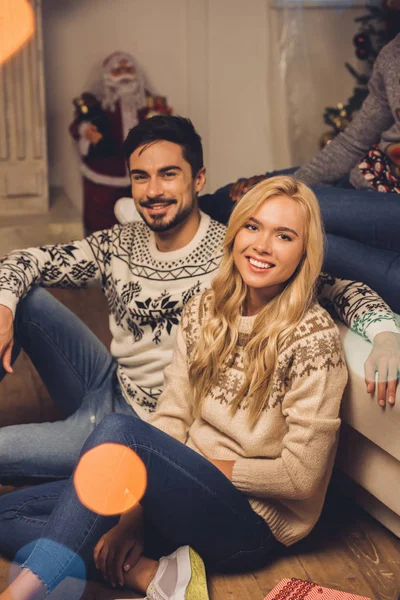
(311, 42)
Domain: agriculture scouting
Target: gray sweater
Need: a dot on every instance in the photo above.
(378, 121)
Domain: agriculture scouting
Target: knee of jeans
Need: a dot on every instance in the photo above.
(112, 428)
(35, 300)
(5, 448)
(35, 297)
(8, 507)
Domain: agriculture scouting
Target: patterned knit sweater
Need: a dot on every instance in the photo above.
(378, 121)
(146, 290)
(284, 463)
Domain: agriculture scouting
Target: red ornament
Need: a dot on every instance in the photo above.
(362, 53)
(362, 42)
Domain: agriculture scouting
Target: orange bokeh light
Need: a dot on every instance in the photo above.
(110, 479)
(17, 26)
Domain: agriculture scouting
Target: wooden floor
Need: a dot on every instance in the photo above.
(348, 550)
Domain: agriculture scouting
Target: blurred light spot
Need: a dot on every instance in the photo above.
(110, 479)
(17, 26)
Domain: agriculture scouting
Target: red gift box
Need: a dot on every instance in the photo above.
(298, 589)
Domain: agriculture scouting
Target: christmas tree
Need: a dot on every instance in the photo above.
(377, 27)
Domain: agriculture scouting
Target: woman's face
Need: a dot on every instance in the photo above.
(268, 249)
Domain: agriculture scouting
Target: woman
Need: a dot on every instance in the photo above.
(240, 451)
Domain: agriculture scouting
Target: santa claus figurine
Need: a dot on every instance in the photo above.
(100, 126)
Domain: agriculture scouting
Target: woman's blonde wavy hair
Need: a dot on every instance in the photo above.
(275, 322)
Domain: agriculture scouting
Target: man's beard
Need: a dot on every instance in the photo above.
(162, 223)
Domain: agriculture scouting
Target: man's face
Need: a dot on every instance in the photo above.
(163, 187)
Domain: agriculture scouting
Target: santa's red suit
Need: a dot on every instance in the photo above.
(105, 174)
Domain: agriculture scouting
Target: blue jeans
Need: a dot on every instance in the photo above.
(80, 375)
(187, 501)
(363, 243)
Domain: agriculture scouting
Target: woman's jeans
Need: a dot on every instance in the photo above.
(187, 501)
(80, 375)
(362, 226)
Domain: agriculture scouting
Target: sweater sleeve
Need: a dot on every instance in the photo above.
(354, 303)
(311, 409)
(342, 154)
(72, 265)
(174, 410)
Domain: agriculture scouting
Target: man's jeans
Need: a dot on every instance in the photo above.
(187, 501)
(363, 241)
(80, 375)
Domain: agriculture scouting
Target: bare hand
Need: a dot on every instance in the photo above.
(117, 552)
(242, 186)
(225, 466)
(92, 134)
(6, 337)
(385, 360)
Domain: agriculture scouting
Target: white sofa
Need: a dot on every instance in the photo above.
(369, 447)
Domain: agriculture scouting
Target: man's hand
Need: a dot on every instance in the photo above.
(6, 337)
(385, 360)
(242, 186)
(92, 134)
(118, 551)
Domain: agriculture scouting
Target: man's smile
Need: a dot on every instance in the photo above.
(157, 207)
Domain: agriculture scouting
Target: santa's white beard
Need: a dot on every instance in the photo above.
(124, 88)
(128, 88)
(130, 104)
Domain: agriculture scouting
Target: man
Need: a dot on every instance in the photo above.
(148, 271)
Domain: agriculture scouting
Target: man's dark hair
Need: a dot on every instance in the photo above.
(171, 129)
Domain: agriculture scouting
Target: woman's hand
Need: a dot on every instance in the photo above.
(225, 466)
(117, 551)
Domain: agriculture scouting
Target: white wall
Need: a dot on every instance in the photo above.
(211, 58)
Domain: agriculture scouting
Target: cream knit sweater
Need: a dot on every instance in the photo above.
(284, 463)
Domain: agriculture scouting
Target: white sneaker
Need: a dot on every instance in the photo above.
(125, 211)
(180, 576)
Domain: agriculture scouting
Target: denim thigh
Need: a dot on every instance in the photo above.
(379, 269)
(80, 375)
(368, 217)
(187, 501)
(69, 358)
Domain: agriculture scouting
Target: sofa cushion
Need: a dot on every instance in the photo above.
(376, 508)
(370, 466)
(361, 410)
